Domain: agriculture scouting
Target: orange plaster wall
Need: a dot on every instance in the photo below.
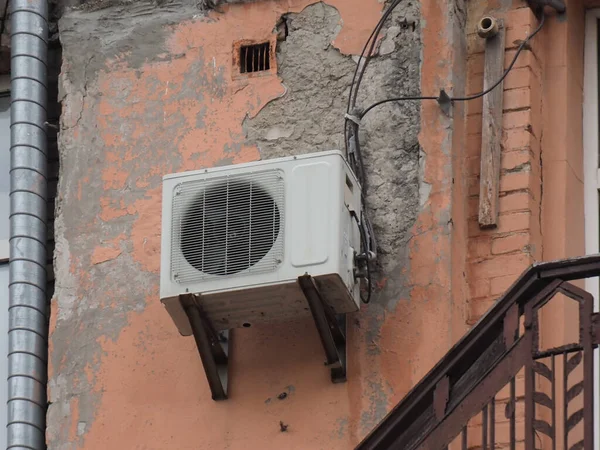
(563, 135)
(143, 387)
(140, 384)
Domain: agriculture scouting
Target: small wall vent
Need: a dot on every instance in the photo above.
(255, 58)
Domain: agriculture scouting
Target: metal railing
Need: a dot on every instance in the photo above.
(498, 387)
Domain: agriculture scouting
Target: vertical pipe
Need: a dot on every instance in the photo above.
(28, 324)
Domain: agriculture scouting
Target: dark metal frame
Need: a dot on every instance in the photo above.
(331, 328)
(213, 347)
(466, 381)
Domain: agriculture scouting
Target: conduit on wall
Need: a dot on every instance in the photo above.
(28, 324)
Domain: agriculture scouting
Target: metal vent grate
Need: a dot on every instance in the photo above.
(255, 58)
(228, 225)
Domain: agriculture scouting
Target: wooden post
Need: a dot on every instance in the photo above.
(491, 132)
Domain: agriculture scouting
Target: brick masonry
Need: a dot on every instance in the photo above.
(497, 256)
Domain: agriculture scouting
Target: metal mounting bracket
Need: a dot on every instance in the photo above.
(331, 328)
(445, 102)
(212, 346)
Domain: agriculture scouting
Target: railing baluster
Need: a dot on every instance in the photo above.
(564, 398)
(553, 402)
(529, 383)
(513, 438)
(464, 438)
(493, 424)
(585, 319)
(484, 428)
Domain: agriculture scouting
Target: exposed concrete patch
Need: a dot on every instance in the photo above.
(109, 35)
(378, 401)
(310, 116)
(388, 45)
(424, 325)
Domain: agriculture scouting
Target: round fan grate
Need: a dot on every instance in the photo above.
(229, 227)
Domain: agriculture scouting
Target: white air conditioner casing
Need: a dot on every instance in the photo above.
(240, 236)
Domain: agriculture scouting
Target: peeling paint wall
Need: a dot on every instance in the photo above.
(310, 114)
(148, 89)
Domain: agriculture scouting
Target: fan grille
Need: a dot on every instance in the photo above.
(227, 226)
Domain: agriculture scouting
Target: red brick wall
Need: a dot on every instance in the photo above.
(497, 256)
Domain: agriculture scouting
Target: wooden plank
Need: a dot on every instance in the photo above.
(491, 132)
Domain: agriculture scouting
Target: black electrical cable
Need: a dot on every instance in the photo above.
(470, 97)
(362, 66)
(355, 157)
(507, 71)
(377, 31)
(395, 99)
(365, 246)
(356, 162)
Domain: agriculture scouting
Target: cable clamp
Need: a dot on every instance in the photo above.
(352, 118)
(351, 146)
(445, 102)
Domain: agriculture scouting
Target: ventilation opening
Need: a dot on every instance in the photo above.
(230, 227)
(349, 184)
(255, 58)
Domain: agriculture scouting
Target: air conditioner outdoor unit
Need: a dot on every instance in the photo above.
(240, 238)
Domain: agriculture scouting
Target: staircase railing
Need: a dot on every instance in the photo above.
(497, 388)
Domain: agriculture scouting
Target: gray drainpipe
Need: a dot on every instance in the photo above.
(28, 323)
